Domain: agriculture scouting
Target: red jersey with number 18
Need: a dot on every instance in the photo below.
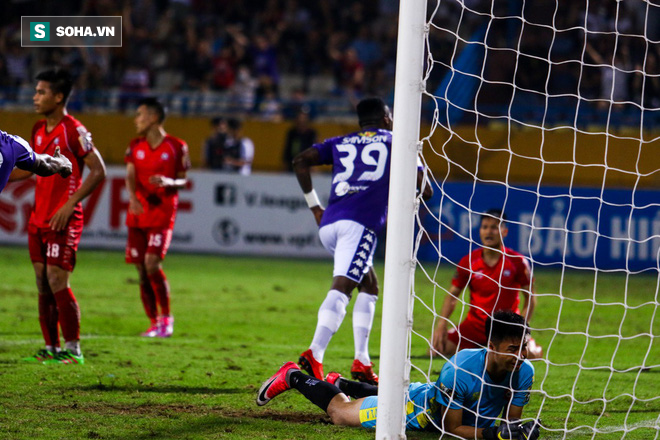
(492, 287)
(167, 159)
(51, 193)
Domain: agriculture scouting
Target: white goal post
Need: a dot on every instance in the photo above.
(399, 263)
(550, 111)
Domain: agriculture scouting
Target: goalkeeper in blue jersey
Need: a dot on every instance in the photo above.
(476, 389)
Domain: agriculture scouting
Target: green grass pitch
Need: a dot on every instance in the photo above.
(238, 319)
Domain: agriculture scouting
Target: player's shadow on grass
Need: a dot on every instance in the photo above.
(164, 389)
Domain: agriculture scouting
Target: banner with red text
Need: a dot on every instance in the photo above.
(261, 214)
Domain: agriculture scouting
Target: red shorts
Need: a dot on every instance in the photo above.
(470, 333)
(142, 241)
(55, 248)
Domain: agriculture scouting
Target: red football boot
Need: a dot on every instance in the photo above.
(276, 384)
(311, 365)
(364, 373)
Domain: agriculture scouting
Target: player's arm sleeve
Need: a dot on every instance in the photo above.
(325, 152)
(80, 141)
(183, 162)
(26, 158)
(524, 274)
(522, 392)
(450, 389)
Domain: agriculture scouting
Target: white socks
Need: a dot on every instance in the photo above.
(363, 317)
(331, 315)
(52, 349)
(73, 347)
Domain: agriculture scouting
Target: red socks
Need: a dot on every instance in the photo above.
(162, 291)
(69, 314)
(149, 301)
(48, 317)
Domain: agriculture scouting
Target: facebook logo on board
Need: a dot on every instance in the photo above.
(225, 195)
(39, 31)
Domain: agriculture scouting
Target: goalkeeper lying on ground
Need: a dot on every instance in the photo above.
(494, 381)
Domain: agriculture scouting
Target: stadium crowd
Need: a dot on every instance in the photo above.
(239, 48)
(242, 50)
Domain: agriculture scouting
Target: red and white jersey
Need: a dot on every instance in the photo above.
(492, 287)
(51, 193)
(168, 159)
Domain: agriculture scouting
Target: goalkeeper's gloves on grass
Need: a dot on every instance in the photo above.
(530, 430)
(506, 431)
(513, 431)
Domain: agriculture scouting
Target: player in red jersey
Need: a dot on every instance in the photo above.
(495, 275)
(156, 165)
(56, 220)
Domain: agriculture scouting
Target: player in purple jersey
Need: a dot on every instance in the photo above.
(356, 212)
(16, 152)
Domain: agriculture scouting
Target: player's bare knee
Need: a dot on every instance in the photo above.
(58, 278)
(42, 284)
(151, 263)
(343, 411)
(142, 273)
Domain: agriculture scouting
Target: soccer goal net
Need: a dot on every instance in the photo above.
(550, 112)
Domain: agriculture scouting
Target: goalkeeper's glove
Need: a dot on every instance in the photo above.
(505, 431)
(530, 430)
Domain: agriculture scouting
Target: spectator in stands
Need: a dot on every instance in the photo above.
(613, 63)
(134, 86)
(349, 73)
(170, 78)
(270, 108)
(300, 137)
(17, 61)
(199, 66)
(242, 92)
(213, 156)
(646, 88)
(298, 102)
(263, 57)
(239, 150)
(5, 82)
(186, 44)
(224, 68)
(366, 47)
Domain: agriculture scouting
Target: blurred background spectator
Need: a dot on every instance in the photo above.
(213, 150)
(239, 149)
(300, 137)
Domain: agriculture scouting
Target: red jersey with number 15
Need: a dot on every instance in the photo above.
(51, 193)
(492, 287)
(167, 159)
